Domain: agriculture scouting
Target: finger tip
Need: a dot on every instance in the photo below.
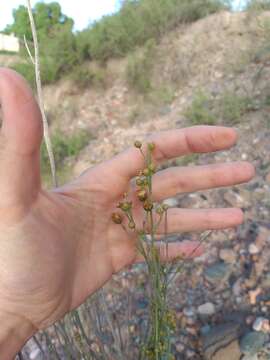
(249, 170)
(231, 135)
(238, 216)
(224, 137)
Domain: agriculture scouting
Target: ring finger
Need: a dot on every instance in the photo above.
(176, 180)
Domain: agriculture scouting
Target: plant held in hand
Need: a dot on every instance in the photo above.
(162, 319)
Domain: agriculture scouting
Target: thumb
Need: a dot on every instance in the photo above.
(20, 140)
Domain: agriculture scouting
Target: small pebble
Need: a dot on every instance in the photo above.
(250, 357)
(189, 312)
(192, 330)
(253, 295)
(180, 347)
(261, 324)
(205, 329)
(250, 319)
(207, 309)
(237, 287)
(190, 354)
(228, 255)
(253, 249)
(34, 354)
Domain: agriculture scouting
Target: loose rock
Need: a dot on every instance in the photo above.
(253, 249)
(232, 352)
(252, 342)
(218, 338)
(253, 295)
(261, 324)
(207, 309)
(228, 255)
(218, 272)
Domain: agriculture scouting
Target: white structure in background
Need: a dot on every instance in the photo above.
(9, 43)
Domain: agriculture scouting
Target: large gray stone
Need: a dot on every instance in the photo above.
(253, 342)
(229, 352)
(219, 338)
(218, 272)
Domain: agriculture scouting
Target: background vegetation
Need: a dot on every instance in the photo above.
(137, 22)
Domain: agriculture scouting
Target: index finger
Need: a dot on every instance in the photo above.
(173, 143)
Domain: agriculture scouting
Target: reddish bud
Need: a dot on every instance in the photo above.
(148, 205)
(117, 218)
(142, 195)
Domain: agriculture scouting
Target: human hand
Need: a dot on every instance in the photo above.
(58, 247)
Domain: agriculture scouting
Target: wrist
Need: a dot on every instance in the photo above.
(14, 333)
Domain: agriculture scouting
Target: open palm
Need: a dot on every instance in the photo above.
(57, 247)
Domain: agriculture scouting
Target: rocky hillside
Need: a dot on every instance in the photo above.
(215, 69)
(213, 55)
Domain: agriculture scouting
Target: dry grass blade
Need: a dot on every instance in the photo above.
(40, 94)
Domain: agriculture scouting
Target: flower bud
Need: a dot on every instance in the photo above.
(125, 206)
(146, 172)
(137, 144)
(151, 146)
(148, 205)
(152, 168)
(131, 225)
(165, 207)
(117, 218)
(142, 195)
(139, 181)
(159, 210)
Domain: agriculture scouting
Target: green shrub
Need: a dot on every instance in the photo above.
(138, 21)
(84, 77)
(64, 147)
(233, 106)
(48, 71)
(59, 51)
(139, 68)
(197, 9)
(258, 5)
(201, 111)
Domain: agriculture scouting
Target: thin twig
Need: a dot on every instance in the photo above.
(28, 50)
(40, 94)
(181, 266)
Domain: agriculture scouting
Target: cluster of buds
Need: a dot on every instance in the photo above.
(143, 179)
(126, 207)
(161, 209)
(143, 182)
